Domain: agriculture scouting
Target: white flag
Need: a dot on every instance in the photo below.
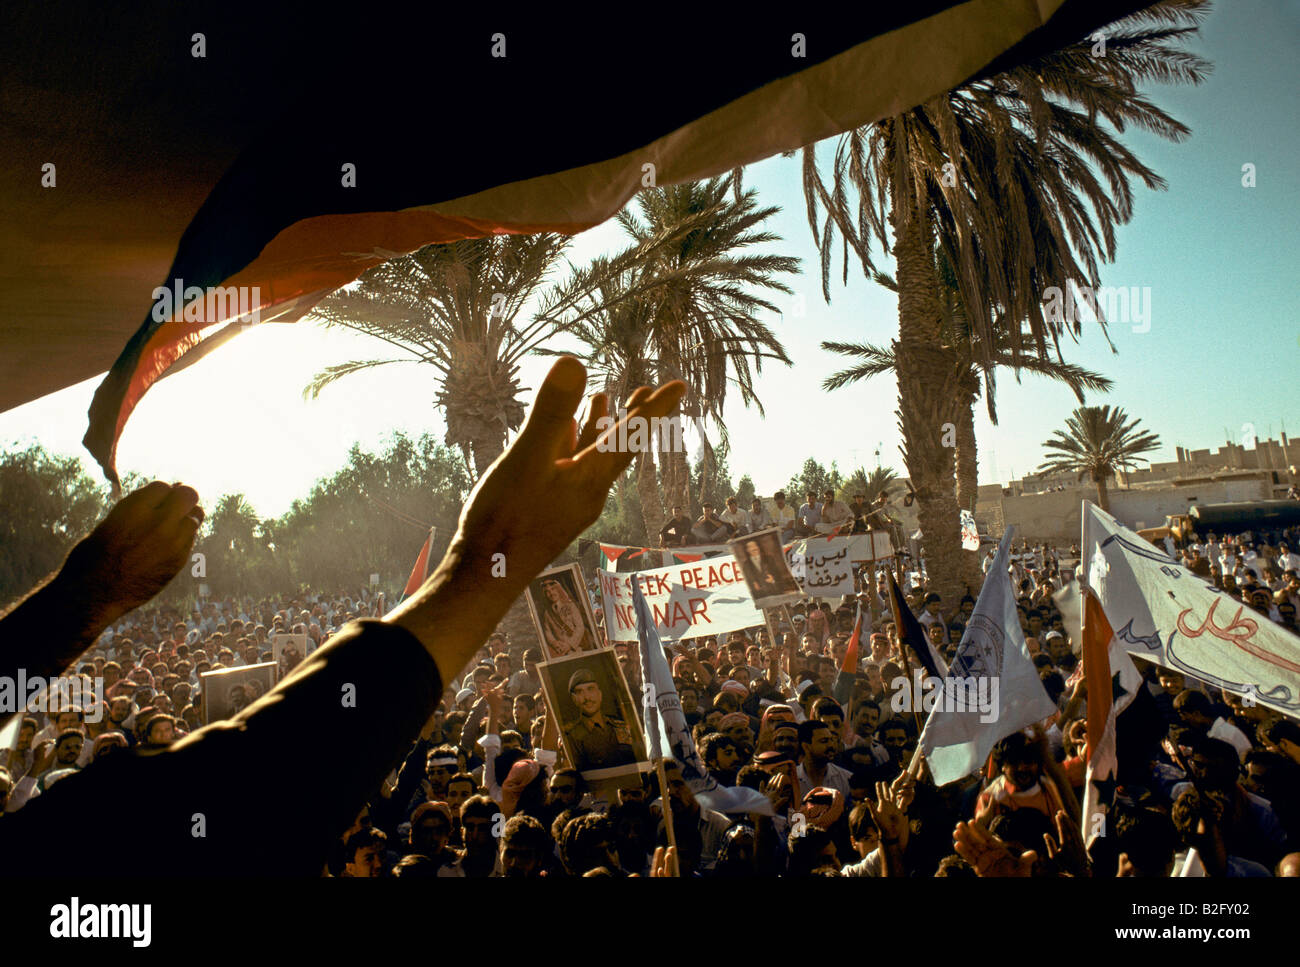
(1166, 614)
(992, 688)
(665, 724)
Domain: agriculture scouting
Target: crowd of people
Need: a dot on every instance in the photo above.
(486, 790)
(812, 518)
(1202, 770)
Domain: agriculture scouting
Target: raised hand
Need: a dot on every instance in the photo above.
(460, 604)
(664, 862)
(987, 854)
(1067, 848)
(902, 791)
(890, 819)
(551, 458)
(136, 550)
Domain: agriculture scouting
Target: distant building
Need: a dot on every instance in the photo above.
(1046, 507)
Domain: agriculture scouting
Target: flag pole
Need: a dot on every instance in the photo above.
(665, 798)
(911, 685)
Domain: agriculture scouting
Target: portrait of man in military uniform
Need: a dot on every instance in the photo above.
(598, 722)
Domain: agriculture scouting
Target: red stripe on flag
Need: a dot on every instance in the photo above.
(850, 663)
(420, 572)
(1097, 635)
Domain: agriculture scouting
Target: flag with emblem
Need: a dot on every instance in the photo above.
(665, 724)
(992, 688)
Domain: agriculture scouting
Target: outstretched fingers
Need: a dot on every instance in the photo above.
(550, 422)
(607, 463)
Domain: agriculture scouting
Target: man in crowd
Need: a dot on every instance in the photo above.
(677, 532)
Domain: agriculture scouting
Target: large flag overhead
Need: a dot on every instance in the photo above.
(665, 724)
(992, 688)
(195, 147)
(1165, 614)
(1113, 683)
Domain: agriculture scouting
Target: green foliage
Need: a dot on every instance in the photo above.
(711, 480)
(49, 503)
(372, 515)
(812, 477)
(620, 521)
(1096, 442)
(745, 492)
(870, 485)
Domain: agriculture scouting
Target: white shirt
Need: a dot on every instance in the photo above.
(1289, 561)
(836, 778)
(739, 519)
(1225, 730)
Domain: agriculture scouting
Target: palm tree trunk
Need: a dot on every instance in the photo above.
(928, 391)
(647, 487)
(968, 482)
(677, 485)
(1103, 495)
(487, 446)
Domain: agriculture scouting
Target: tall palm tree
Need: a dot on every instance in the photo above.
(1018, 181)
(689, 311)
(705, 329)
(1096, 442)
(614, 336)
(976, 371)
(457, 308)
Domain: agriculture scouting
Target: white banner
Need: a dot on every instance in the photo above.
(823, 566)
(970, 533)
(1165, 614)
(687, 600)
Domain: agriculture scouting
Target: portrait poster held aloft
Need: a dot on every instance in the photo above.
(765, 569)
(597, 718)
(288, 650)
(561, 610)
(228, 691)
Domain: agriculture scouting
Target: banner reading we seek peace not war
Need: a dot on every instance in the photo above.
(706, 597)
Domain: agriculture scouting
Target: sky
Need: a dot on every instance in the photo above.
(1219, 358)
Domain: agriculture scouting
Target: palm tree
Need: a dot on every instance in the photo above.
(977, 371)
(455, 307)
(614, 337)
(1096, 442)
(687, 311)
(705, 328)
(870, 485)
(1017, 180)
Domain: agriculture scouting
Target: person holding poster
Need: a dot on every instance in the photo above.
(597, 718)
(765, 569)
(557, 599)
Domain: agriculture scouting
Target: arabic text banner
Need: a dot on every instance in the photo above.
(822, 566)
(1166, 614)
(687, 600)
